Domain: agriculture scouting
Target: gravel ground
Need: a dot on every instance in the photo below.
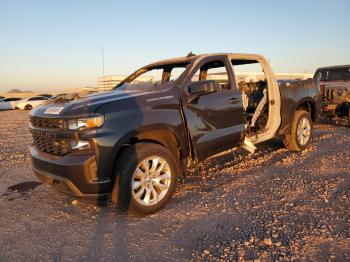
(273, 205)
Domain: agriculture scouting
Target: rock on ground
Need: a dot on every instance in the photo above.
(273, 205)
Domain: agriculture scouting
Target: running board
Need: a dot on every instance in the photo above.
(249, 146)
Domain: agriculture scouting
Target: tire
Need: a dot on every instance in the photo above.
(302, 125)
(150, 193)
(28, 107)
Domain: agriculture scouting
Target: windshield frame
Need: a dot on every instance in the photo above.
(161, 65)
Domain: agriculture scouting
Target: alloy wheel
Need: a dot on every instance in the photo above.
(151, 181)
(303, 131)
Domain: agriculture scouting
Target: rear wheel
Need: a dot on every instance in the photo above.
(301, 131)
(147, 178)
(28, 107)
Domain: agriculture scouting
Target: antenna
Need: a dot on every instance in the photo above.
(103, 69)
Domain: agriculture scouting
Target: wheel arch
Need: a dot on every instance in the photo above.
(309, 106)
(162, 135)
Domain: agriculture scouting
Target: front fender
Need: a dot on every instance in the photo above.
(136, 120)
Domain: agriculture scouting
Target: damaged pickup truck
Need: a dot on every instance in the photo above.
(334, 84)
(135, 141)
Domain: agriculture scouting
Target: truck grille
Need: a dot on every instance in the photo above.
(46, 141)
(50, 145)
(48, 123)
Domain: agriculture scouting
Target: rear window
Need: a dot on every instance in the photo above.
(336, 74)
(339, 74)
(37, 98)
(11, 99)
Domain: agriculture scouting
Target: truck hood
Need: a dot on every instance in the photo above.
(84, 106)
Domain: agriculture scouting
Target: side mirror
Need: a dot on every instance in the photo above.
(202, 87)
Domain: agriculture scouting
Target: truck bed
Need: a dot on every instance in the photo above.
(295, 93)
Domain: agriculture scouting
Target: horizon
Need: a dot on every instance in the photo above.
(57, 46)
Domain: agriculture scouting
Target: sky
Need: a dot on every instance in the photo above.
(56, 45)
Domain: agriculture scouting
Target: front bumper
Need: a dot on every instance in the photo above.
(73, 174)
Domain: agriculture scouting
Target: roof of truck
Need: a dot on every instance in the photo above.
(177, 60)
(191, 57)
(332, 67)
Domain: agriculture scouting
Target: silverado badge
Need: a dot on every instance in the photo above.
(54, 110)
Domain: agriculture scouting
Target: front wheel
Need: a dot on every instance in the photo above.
(301, 131)
(147, 175)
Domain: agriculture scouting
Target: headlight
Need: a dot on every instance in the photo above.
(86, 123)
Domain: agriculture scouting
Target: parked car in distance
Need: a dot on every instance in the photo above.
(29, 103)
(65, 97)
(46, 95)
(9, 103)
(134, 142)
(334, 83)
(55, 96)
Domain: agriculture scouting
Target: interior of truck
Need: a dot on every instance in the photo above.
(214, 70)
(252, 82)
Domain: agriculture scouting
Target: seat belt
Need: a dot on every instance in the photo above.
(259, 109)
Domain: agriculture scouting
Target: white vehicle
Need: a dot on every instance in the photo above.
(29, 103)
(9, 103)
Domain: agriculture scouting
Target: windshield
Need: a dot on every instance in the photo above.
(153, 77)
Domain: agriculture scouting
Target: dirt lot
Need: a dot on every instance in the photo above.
(271, 206)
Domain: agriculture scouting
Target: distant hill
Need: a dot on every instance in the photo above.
(19, 91)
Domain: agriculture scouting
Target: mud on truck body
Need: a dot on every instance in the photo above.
(135, 141)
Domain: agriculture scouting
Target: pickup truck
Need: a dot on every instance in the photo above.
(334, 84)
(134, 142)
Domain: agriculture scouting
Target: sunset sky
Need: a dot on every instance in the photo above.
(53, 45)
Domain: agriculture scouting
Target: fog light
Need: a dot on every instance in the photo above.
(79, 145)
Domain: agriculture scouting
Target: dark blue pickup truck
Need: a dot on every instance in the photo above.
(134, 141)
